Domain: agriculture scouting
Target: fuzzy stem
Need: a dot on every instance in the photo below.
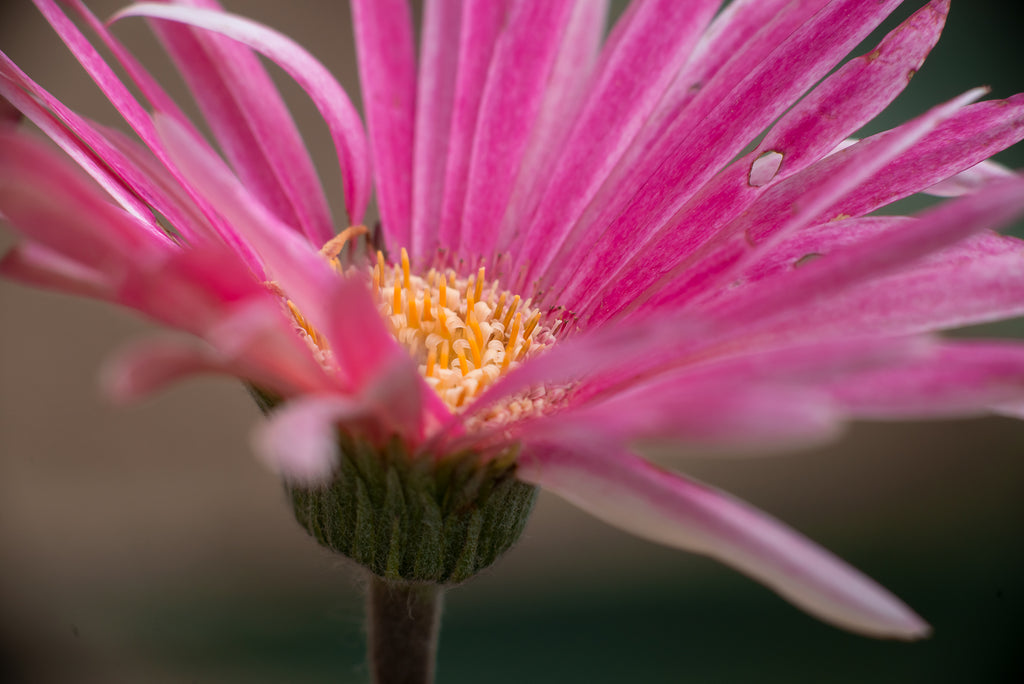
(403, 623)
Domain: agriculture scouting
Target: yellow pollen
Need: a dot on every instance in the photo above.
(464, 332)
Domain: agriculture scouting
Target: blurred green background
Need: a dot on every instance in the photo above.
(144, 544)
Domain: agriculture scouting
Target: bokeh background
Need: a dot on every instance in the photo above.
(145, 544)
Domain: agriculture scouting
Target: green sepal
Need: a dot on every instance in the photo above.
(416, 519)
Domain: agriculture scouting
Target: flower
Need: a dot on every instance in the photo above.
(619, 256)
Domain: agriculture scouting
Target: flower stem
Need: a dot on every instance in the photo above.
(403, 623)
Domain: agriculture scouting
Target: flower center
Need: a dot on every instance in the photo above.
(464, 333)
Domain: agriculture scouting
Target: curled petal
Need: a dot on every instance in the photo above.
(629, 493)
(300, 441)
(330, 99)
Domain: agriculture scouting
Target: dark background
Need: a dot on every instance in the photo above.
(145, 543)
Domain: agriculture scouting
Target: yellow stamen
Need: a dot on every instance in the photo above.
(470, 291)
(531, 324)
(475, 327)
(511, 311)
(431, 362)
(474, 348)
(479, 292)
(413, 320)
(396, 302)
(405, 269)
(332, 248)
(444, 355)
(442, 292)
(427, 313)
(498, 307)
(463, 365)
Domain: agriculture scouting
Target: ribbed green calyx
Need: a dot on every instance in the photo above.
(418, 520)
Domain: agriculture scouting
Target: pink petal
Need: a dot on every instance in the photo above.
(566, 90)
(958, 379)
(44, 199)
(300, 440)
(482, 24)
(991, 208)
(148, 367)
(654, 39)
(743, 99)
(435, 97)
(13, 86)
(387, 72)
(769, 221)
(629, 493)
(523, 59)
(970, 180)
(35, 265)
(251, 123)
(330, 99)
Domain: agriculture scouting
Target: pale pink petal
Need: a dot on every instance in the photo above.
(51, 204)
(724, 117)
(654, 39)
(435, 98)
(329, 97)
(769, 221)
(631, 494)
(251, 123)
(482, 24)
(966, 139)
(523, 59)
(970, 180)
(147, 367)
(387, 72)
(707, 414)
(958, 379)
(35, 265)
(885, 253)
(67, 133)
(566, 90)
(300, 441)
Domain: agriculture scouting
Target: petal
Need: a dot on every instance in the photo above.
(252, 124)
(33, 264)
(969, 180)
(523, 59)
(482, 24)
(886, 253)
(958, 379)
(653, 39)
(300, 441)
(387, 72)
(769, 221)
(627, 492)
(435, 97)
(329, 97)
(147, 367)
(567, 86)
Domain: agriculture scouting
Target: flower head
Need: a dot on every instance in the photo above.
(583, 243)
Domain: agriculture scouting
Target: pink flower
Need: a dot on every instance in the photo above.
(633, 274)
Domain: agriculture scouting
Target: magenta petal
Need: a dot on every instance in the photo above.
(387, 72)
(329, 97)
(481, 26)
(435, 97)
(150, 366)
(300, 441)
(523, 59)
(251, 123)
(958, 379)
(629, 493)
(652, 38)
(38, 266)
